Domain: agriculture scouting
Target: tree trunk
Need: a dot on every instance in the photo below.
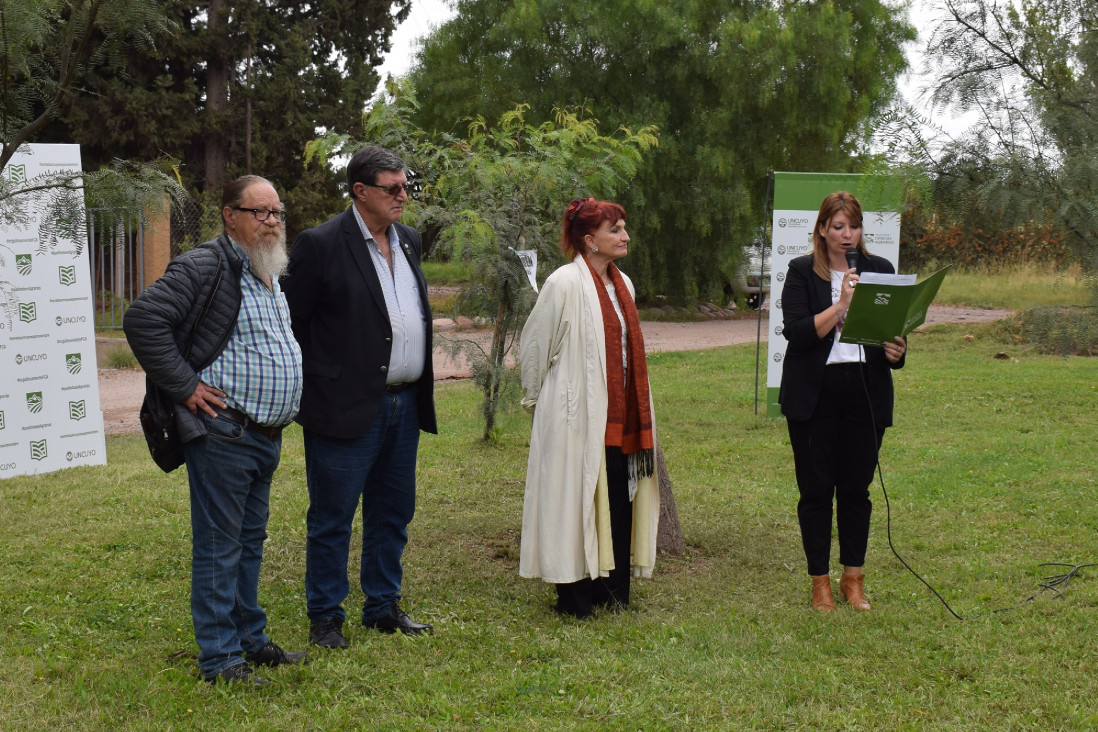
(217, 99)
(669, 536)
(495, 366)
(248, 114)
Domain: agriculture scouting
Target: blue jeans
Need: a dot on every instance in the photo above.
(379, 468)
(230, 471)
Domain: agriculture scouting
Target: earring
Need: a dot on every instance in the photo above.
(594, 250)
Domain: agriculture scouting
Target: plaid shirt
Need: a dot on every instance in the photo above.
(260, 368)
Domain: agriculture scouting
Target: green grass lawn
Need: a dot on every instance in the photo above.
(445, 273)
(1018, 288)
(990, 471)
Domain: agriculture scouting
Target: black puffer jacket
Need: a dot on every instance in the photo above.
(159, 321)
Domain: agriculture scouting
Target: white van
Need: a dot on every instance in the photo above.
(753, 277)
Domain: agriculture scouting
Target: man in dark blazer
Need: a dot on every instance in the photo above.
(358, 301)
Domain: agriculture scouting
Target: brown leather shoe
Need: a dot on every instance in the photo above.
(821, 593)
(852, 587)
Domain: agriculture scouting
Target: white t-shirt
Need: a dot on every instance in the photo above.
(841, 352)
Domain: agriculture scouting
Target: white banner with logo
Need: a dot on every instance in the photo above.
(797, 199)
(49, 393)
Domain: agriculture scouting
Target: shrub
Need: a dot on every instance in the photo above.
(120, 357)
(1067, 331)
(933, 244)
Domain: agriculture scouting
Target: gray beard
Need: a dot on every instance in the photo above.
(268, 260)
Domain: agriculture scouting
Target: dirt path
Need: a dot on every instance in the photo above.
(121, 391)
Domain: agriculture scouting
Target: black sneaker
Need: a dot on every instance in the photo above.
(241, 673)
(327, 633)
(272, 655)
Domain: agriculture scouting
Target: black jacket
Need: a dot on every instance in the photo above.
(339, 318)
(159, 321)
(803, 297)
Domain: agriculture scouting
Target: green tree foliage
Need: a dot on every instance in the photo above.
(499, 189)
(1029, 69)
(48, 51)
(736, 88)
(240, 86)
(50, 46)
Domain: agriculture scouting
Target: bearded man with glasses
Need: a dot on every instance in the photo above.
(214, 333)
(360, 312)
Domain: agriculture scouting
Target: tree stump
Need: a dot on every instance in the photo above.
(669, 535)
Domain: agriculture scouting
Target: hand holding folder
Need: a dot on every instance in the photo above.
(886, 306)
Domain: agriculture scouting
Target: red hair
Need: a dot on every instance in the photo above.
(582, 217)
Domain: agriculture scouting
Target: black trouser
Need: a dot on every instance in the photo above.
(835, 454)
(579, 598)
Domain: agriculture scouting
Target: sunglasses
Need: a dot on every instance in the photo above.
(395, 189)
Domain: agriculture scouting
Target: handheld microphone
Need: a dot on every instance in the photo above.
(851, 258)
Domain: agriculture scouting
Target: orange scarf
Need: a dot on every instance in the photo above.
(629, 411)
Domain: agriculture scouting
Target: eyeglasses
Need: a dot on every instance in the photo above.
(395, 189)
(262, 214)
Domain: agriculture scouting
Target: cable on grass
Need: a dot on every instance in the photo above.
(1053, 583)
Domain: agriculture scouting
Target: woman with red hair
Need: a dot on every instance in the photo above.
(591, 508)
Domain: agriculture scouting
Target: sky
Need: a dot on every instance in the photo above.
(425, 15)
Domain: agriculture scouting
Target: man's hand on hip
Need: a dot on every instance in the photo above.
(207, 399)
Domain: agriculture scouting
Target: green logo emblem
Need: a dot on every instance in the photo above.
(38, 449)
(24, 263)
(67, 274)
(28, 312)
(77, 410)
(17, 174)
(1, 420)
(72, 362)
(34, 402)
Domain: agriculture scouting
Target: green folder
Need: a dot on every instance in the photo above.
(879, 312)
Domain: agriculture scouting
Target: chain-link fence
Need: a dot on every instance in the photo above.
(117, 252)
(193, 222)
(116, 248)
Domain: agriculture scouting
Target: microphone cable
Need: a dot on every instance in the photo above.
(1055, 583)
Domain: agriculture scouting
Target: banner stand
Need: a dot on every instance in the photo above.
(50, 415)
(797, 199)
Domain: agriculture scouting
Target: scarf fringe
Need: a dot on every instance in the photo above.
(640, 465)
